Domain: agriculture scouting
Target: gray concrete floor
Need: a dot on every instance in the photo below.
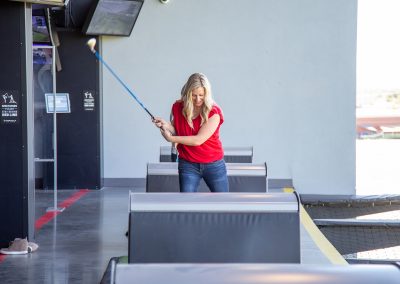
(76, 245)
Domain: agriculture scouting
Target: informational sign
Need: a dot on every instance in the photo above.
(88, 101)
(62, 103)
(9, 107)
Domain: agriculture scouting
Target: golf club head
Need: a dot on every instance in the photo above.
(91, 43)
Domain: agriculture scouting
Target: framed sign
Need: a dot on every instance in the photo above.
(62, 103)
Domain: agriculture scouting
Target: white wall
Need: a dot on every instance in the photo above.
(282, 70)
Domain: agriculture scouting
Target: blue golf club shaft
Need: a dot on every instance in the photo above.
(122, 83)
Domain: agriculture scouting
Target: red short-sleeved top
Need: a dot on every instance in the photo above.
(209, 151)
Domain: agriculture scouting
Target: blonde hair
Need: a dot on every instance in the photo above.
(196, 80)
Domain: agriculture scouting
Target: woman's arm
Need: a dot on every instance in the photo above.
(205, 132)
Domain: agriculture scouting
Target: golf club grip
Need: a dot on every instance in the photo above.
(152, 116)
(122, 83)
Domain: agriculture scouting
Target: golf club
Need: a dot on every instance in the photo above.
(91, 43)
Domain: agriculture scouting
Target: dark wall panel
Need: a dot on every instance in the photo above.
(78, 131)
(13, 156)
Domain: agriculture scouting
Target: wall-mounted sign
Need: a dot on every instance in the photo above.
(88, 101)
(62, 103)
(9, 107)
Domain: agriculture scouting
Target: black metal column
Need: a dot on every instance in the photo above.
(13, 124)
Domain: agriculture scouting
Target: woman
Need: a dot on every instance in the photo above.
(194, 127)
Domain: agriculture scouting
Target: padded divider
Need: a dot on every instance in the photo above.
(256, 273)
(232, 154)
(214, 228)
(163, 177)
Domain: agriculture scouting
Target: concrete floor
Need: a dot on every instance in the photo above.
(76, 245)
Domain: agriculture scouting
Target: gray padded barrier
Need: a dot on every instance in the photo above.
(163, 177)
(214, 228)
(231, 154)
(255, 274)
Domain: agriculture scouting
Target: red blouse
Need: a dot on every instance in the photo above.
(211, 150)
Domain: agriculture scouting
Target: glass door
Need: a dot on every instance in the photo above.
(43, 82)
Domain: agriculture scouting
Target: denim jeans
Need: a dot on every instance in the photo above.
(214, 174)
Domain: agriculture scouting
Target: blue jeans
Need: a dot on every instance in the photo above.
(214, 174)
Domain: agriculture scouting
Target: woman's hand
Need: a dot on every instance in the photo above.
(166, 134)
(165, 125)
(159, 122)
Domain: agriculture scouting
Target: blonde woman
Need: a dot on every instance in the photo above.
(194, 127)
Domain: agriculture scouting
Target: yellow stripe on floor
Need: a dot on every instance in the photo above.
(320, 240)
(288, 189)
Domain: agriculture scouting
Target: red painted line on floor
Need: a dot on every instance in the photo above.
(71, 200)
(45, 219)
(2, 257)
(66, 203)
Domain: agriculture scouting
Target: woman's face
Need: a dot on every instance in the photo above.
(198, 97)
